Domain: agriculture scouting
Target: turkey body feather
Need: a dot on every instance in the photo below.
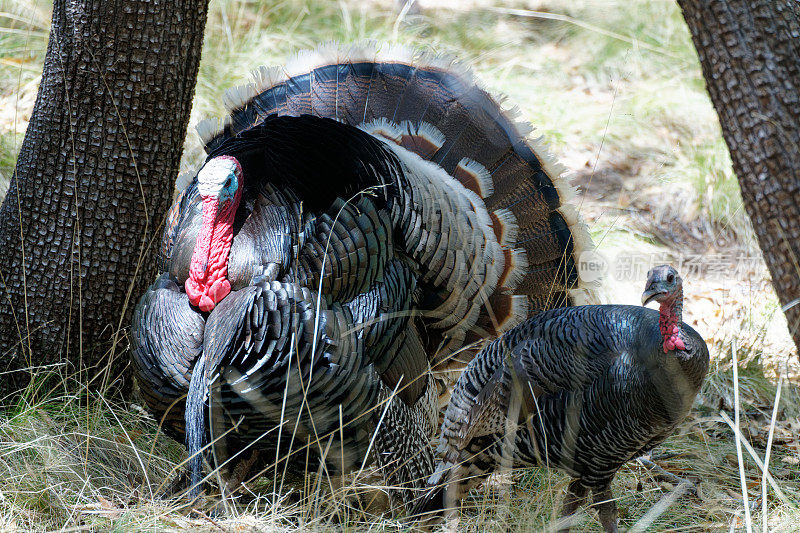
(388, 212)
(592, 393)
(582, 389)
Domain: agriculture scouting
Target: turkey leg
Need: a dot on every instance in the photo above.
(576, 496)
(606, 507)
(240, 472)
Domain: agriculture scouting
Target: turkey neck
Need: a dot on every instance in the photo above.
(683, 369)
(669, 321)
(208, 284)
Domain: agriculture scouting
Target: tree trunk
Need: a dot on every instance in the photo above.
(93, 181)
(750, 54)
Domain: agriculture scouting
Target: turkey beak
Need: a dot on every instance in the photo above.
(651, 292)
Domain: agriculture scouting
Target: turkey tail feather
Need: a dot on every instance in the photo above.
(480, 142)
(435, 109)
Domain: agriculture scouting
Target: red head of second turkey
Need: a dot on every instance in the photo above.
(388, 213)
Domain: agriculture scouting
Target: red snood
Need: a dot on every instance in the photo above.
(208, 281)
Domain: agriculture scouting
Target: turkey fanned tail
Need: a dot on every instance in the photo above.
(434, 108)
(392, 214)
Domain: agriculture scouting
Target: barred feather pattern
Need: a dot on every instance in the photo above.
(278, 363)
(582, 389)
(346, 250)
(393, 212)
(354, 341)
(435, 107)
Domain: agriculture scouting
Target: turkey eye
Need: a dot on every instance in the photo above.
(670, 278)
(228, 183)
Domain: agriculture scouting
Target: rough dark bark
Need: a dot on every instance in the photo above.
(750, 54)
(93, 180)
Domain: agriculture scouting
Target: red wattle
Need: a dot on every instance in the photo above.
(219, 289)
(207, 284)
(668, 324)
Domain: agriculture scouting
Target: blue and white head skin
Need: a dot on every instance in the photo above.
(220, 178)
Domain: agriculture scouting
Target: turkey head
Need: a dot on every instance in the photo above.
(219, 184)
(665, 286)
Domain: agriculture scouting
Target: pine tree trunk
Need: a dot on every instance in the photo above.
(750, 54)
(93, 181)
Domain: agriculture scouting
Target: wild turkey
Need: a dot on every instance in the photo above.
(361, 216)
(583, 389)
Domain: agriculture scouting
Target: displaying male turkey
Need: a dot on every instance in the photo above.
(583, 389)
(361, 216)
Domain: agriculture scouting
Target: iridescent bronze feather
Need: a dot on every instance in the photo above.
(391, 213)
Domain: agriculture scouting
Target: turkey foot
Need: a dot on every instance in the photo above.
(576, 496)
(659, 474)
(606, 507)
(240, 472)
(232, 483)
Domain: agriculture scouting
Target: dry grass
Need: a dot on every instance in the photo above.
(617, 92)
(78, 462)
